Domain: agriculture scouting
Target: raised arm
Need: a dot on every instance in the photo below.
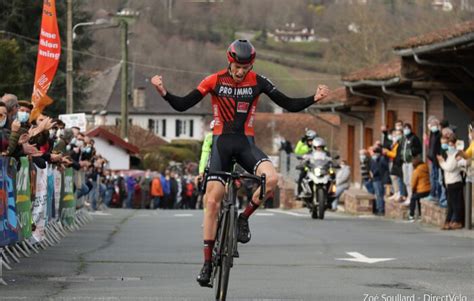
(177, 102)
(289, 103)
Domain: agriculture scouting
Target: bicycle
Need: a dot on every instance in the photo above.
(225, 247)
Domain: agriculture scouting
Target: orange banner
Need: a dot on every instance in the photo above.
(49, 52)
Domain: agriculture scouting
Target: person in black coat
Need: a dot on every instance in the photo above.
(434, 149)
(379, 172)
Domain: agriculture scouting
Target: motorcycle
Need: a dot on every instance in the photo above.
(319, 184)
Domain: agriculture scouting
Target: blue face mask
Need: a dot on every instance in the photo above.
(406, 132)
(451, 149)
(3, 122)
(23, 117)
(434, 129)
(375, 156)
(445, 146)
(362, 158)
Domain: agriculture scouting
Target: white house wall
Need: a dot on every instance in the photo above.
(118, 158)
(142, 121)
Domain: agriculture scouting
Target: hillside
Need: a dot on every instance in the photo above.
(187, 41)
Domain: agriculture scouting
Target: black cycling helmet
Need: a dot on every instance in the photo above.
(242, 52)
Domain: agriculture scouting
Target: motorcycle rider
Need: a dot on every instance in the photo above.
(318, 152)
(302, 148)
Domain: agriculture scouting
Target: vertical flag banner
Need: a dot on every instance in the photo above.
(39, 211)
(23, 198)
(57, 191)
(68, 202)
(49, 52)
(9, 174)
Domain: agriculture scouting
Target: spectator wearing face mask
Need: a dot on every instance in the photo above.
(396, 172)
(452, 167)
(19, 126)
(411, 147)
(434, 149)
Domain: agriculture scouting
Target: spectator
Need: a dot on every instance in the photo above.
(4, 130)
(145, 185)
(411, 147)
(452, 172)
(343, 181)
(156, 192)
(469, 153)
(378, 170)
(130, 190)
(19, 127)
(399, 125)
(386, 138)
(434, 149)
(175, 190)
(165, 183)
(11, 103)
(396, 171)
(365, 170)
(420, 185)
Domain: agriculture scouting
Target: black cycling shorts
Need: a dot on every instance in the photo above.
(238, 147)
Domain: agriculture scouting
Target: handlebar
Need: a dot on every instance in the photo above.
(236, 176)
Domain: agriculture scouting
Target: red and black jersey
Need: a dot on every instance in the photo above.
(234, 104)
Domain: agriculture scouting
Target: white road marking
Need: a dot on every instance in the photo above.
(265, 214)
(357, 257)
(183, 215)
(287, 212)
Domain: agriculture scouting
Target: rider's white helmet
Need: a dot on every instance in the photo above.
(319, 142)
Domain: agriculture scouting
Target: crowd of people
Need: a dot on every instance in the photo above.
(172, 189)
(396, 161)
(46, 140)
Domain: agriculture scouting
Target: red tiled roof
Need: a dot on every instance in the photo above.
(437, 36)
(142, 138)
(337, 95)
(379, 72)
(113, 139)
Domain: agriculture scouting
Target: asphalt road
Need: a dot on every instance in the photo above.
(156, 255)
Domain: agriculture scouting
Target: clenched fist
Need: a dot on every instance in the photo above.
(157, 81)
(321, 92)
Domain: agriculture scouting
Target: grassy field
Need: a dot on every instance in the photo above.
(293, 81)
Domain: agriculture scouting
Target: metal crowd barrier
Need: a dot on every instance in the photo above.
(38, 208)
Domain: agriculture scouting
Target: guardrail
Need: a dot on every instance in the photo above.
(38, 207)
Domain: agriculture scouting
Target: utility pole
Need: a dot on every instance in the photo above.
(124, 83)
(124, 18)
(69, 63)
(170, 9)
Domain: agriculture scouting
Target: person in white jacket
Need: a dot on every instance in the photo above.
(452, 166)
(343, 181)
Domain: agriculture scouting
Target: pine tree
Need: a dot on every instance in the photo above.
(21, 20)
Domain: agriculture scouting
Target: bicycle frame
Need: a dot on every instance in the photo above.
(225, 246)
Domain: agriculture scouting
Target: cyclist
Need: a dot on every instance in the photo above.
(203, 162)
(302, 148)
(235, 92)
